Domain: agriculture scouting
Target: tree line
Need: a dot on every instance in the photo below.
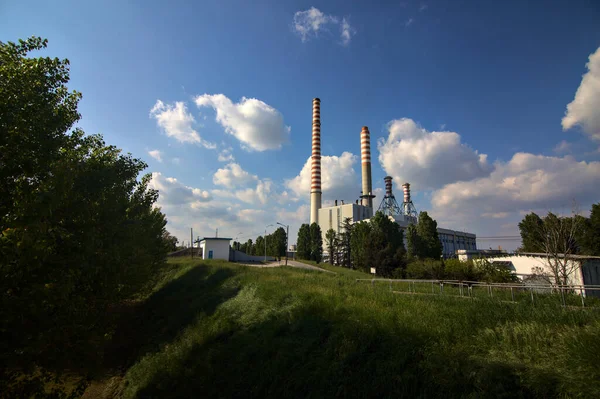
(79, 231)
(560, 237)
(275, 244)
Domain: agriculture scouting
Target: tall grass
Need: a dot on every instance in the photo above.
(220, 330)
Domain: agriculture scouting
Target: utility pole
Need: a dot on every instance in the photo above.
(287, 238)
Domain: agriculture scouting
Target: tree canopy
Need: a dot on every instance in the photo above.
(78, 227)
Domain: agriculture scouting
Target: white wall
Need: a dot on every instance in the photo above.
(220, 249)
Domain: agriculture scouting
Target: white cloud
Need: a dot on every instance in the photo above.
(260, 194)
(526, 182)
(225, 155)
(156, 155)
(176, 161)
(562, 147)
(309, 23)
(347, 32)
(409, 22)
(177, 122)
(172, 193)
(338, 179)
(233, 175)
(428, 160)
(584, 109)
(423, 7)
(256, 124)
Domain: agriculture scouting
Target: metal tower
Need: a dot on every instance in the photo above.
(388, 205)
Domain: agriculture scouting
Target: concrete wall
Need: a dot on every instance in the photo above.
(220, 249)
(238, 256)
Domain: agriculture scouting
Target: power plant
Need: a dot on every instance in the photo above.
(334, 216)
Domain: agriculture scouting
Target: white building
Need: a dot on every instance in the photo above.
(586, 269)
(215, 248)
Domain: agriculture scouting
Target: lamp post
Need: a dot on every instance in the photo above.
(287, 238)
(269, 225)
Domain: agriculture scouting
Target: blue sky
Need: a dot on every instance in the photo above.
(438, 83)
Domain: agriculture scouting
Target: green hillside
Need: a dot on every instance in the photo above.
(221, 330)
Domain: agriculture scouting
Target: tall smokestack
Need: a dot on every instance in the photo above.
(315, 182)
(406, 188)
(365, 157)
(388, 186)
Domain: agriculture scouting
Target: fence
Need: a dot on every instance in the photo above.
(512, 292)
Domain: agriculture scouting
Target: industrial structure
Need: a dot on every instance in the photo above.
(333, 217)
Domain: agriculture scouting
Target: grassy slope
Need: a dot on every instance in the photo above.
(340, 270)
(224, 330)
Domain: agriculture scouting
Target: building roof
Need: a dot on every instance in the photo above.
(215, 238)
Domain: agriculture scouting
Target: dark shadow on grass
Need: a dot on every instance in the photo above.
(158, 320)
(313, 355)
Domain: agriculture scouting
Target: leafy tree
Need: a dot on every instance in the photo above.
(331, 240)
(316, 243)
(344, 242)
(387, 244)
(429, 244)
(361, 254)
(303, 246)
(589, 236)
(249, 247)
(412, 242)
(259, 246)
(78, 230)
(531, 228)
(170, 241)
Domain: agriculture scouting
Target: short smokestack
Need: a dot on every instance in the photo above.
(388, 186)
(406, 188)
(315, 183)
(365, 158)
(335, 202)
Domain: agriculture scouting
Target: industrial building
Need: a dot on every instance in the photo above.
(362, 210)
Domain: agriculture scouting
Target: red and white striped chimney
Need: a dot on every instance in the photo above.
(315, 181)
(406, 188)
(388, 186)
(365, 158)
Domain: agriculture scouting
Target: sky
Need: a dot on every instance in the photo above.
(490, 109)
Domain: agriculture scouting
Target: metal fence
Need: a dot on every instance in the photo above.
(570, 295)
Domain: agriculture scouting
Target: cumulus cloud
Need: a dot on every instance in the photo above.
(225, 155)
(173, 192)
(428, 160)
(156, 154)
(562, 147)
(525, 182)
(260, 194)
(177, 122)
(338, 178)
(233, 175)
(309, 23)
(583, 110)
(256, 124)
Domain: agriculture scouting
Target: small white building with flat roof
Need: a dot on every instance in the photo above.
(215, 248)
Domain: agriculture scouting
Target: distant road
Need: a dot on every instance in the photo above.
(291, 263)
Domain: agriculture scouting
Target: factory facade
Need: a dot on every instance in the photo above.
(404, 214)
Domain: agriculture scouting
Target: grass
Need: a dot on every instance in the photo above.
(337, 269)
(216, 329)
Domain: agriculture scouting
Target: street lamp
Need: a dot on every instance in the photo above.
(269, 225)
(287, 237)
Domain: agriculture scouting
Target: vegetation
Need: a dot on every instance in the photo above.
(454, 269)
(316, 243)
(428, 244)
(275, 244)
(559, 237)
(222, 330)
(303, 243)
(79, 232)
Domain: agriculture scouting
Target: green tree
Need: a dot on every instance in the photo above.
(589, 234)
(531, 228)
(430, 245)
(331, 239)
(249, 247)
(171, 241)
(361, 254)
(345, 246)
(316, 243)
(412, 242)
(78, 230)
(259, 246)
(278, 242)
(387, 245)
(303, 246)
